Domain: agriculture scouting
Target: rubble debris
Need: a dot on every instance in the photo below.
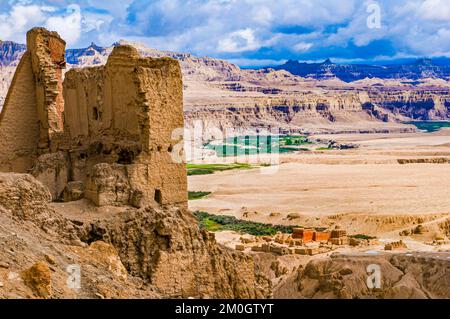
(395, 245)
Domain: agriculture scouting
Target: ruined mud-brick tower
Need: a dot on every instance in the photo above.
(112, 134)
(32, 112)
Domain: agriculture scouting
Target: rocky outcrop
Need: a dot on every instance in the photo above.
(22, 193)
(38, 257)
(166, 249)
(144, 252)
(27, 199)
(38, 278)
(345, 277)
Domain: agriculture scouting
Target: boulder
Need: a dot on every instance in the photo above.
(38, 278)
(22, 193)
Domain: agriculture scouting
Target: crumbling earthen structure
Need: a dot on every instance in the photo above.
(107, 133)
(32, 113)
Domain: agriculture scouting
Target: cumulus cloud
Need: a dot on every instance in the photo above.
(15, 23)
(68, 25)
(302, 46)
(73, 22)
(238, 41)
(243, 30)
(435, 10)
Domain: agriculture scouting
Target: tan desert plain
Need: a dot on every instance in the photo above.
(356, 203)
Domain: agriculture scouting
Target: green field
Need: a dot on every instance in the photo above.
(204, 169)
(429, 126)
(258, 144)
(197, 195)
(225, 222)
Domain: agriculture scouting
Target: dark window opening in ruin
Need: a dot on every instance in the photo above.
(95, 113)
(170, 148)
(125, 157)
(158, 196)
(159, 148)
(82, 156)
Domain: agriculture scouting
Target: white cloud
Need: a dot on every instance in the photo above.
(237, 29)
(239, 41)
(302, 46)
(14, 24)
(262, 15)
(435, 10)
(67, 25)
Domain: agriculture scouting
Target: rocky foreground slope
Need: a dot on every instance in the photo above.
(345, 277)
(160, 253)
(148, 252)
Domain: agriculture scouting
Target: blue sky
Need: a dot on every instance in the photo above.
(247, 32)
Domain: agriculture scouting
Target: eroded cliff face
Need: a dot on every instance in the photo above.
(167, 250)
(345, 277)
(425, 104)
(311, 111)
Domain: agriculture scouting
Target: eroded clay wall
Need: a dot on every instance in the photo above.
(108, 132)
(126, 113)
(32, 113)
(47, 51)
(161, 92)
(19, 122)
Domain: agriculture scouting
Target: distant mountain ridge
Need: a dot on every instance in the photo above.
(73, 56)
(10, 52)
(419, 69)
(319, 96)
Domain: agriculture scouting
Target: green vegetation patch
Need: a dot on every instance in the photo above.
(257, 144)
(430, 126)
(197, 195)
(362, 236)
(224, 222)
(294, 140)
(205, 169)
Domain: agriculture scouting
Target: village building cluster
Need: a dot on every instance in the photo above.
(307, 241)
